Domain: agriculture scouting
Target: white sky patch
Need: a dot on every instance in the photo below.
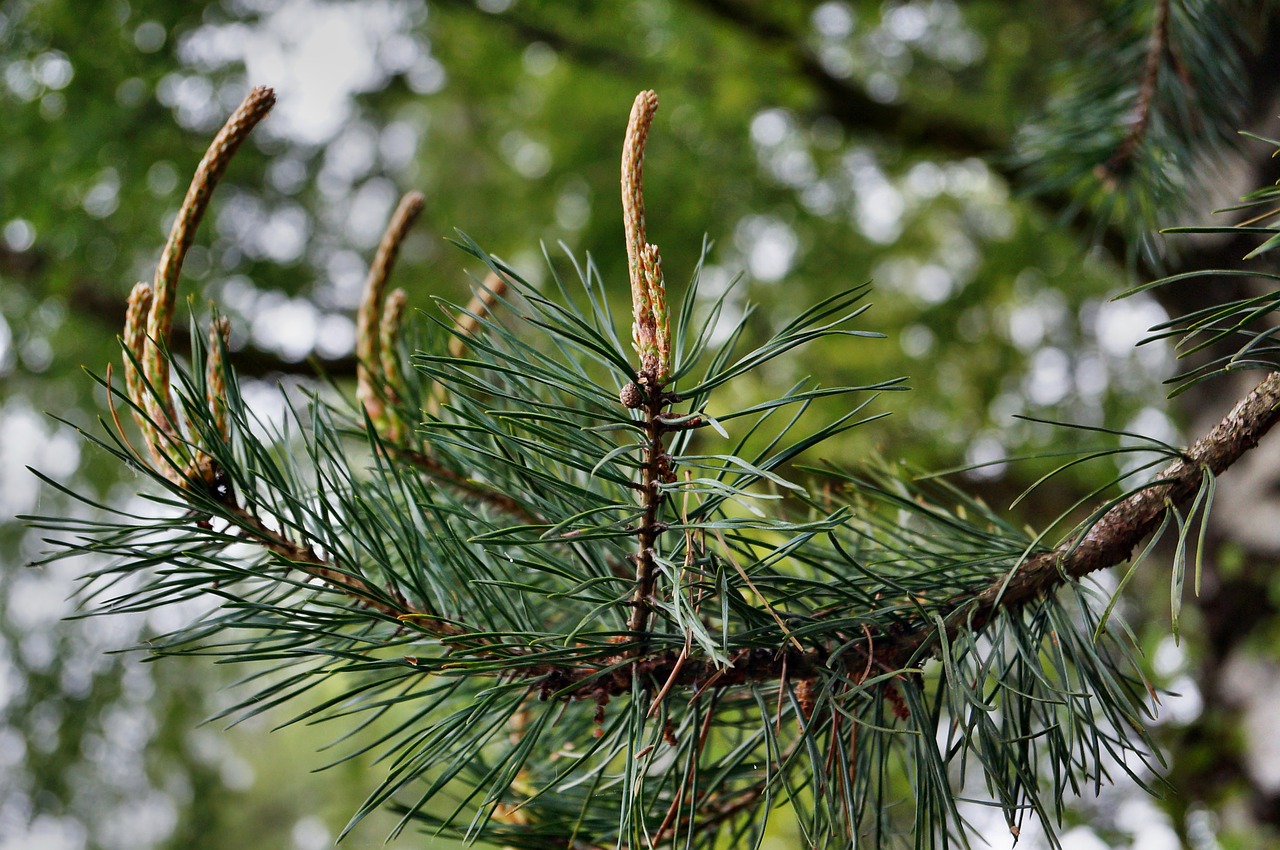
(907, 23)
(987, 455)
(103, 196)
(1091, 377)
(731, 316)
(1182, 703)
(770, 127)
(398, 143)
(316, 56)
(48, 833)
(145, 820)
(539, 59)
(878, 207)
(269, 405)
(1154, 423)
(1169, 658)
(769, 246)
(833, 20)
(927, 283)
(1082, 838)
(284, 234)
(916, 341)
(19, 234)
(310, 833)
(345, 272)
(819, 198)
(531, 266)
(1149, 826)
(278, 233)
(713, 281)
(1255, 685)
(371, 207)
(289, 325)
(936, 28)
(530, 158)
(925, 180)
(350, 156)
(782, 149)
(6, 347)
(573, 206)
(1049, 379)
(934, 284)
(28, 438)
(1120, 325)
(1029, 322)
(335, 335)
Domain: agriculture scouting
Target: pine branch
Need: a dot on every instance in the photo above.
(830, 616)
(652, 339)
(1113, 537)
(1106, 543)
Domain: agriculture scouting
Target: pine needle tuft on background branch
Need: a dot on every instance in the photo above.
(568, 595)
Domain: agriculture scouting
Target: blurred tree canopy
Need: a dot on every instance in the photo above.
(999, 170)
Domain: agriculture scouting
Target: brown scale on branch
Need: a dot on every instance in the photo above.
(304, 559)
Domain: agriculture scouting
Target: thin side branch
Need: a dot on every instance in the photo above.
(1157, 47)
(389, 603)
(304, 559)
(1110, 540)
(1113, 538)
(442, 474)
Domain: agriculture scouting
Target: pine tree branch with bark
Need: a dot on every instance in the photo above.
(454, 546)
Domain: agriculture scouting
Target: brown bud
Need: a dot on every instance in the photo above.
(631, 395)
